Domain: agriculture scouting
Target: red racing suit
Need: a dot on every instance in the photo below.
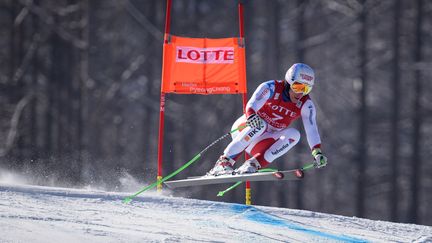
(271, 102)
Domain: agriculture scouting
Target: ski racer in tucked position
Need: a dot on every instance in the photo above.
(272, 108)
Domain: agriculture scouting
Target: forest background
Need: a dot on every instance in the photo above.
(80, 89)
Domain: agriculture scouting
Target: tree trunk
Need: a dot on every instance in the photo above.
(363, 113)
(417, 121)
(394, 132)
(34, 147)
(82, 80)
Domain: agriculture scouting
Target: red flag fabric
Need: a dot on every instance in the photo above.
(203, 66)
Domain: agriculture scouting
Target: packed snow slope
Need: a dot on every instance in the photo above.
(50, 214)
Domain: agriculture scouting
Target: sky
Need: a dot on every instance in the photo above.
(31, 213)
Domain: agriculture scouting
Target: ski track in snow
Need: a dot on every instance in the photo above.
(48, 214)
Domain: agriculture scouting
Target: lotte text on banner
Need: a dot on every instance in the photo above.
(203, 66)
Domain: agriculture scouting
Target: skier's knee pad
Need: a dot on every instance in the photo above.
(292, 134)
(288, 139)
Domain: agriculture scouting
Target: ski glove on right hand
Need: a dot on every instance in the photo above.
(254, 121)
(320, 159)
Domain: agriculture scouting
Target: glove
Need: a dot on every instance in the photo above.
(254, 121)
(320, 159)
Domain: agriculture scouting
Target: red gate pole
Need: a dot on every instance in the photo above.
(162, 101)
(248, 200)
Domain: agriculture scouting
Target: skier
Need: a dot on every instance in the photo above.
(274, 105)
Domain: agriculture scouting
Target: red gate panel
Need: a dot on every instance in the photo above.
(203, 66)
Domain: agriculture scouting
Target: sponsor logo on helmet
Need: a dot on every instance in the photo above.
(306, 77)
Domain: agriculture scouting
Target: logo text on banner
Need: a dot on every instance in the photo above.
(209, 55)
(203, 66)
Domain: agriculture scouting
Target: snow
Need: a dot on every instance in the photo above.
(52, 214)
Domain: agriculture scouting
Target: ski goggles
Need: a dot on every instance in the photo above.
(301, 88)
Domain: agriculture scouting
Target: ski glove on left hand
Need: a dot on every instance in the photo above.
(320, 159)
(254, 121)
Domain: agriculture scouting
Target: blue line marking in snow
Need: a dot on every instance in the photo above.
(253, 214)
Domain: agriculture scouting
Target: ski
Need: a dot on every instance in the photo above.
(287, 175)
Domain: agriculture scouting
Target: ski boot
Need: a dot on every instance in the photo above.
(249, 166)
(223, 166)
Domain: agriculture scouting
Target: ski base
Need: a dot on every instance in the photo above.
(287, 175)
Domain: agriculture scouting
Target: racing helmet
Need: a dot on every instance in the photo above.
(300, 77)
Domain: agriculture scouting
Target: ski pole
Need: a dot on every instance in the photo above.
(195, 158)
(304, 168)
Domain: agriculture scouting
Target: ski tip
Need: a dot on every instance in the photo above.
(278, 175)
(299, 173)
